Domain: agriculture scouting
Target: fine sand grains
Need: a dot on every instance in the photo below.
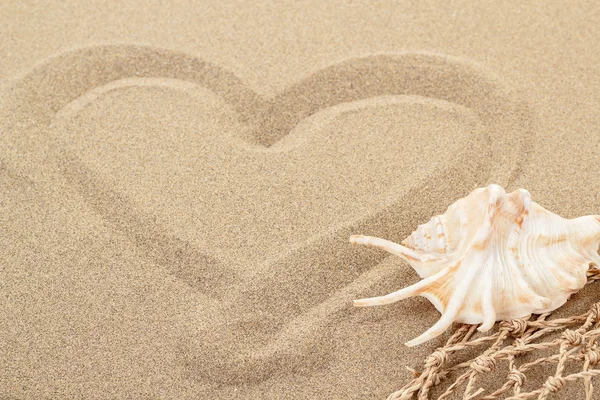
(169, 231)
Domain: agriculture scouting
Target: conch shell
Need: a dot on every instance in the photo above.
(493, 256)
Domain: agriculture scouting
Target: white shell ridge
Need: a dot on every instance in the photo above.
(493, 256)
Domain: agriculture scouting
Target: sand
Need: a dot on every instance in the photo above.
(178, 182)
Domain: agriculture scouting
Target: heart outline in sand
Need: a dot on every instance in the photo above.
(436, 76)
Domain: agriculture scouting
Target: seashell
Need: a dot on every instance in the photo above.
(493, 256)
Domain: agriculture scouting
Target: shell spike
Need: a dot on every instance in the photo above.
(389, 298)
(411, 291)
(487, 305)
(525, 199)
(391, 247)
(448, 317)
(495, 194)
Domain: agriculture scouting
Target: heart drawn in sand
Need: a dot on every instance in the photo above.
(265, 145)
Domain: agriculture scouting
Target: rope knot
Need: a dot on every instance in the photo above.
(517, 377)
(574, 338)
(554, 383)
(483, 364)
(516, 327)
(593, 355)
(595, 311)
(519, 342)
(437, 358)
(435, 378)
(518, 346)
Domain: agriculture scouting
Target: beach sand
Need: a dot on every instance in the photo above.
(178, 183)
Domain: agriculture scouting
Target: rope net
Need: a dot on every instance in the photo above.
(574, 343)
